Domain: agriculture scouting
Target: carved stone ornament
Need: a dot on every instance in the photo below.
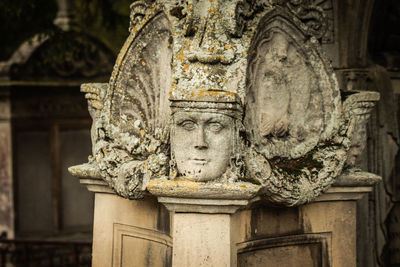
(223, 99)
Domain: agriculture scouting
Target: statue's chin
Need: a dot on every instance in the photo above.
(203, 167)
(201, 173)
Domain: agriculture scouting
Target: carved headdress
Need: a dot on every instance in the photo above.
(223, 102)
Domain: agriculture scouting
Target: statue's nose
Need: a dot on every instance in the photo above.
(200, 141)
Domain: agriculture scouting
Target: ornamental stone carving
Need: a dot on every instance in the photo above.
(223, 99)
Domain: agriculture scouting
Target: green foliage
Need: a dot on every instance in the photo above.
(20, 20)
(107, 20)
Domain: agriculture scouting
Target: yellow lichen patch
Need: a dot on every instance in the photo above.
(185, 187)
(227, 47)
(180, 56)
(185, 67)
(143, 63)
(216, 93)
(142, 132)
(188, 44)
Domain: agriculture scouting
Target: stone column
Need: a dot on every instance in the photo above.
(202, 230)
(6, 182)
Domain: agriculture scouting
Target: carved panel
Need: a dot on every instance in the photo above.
(293, 103)
(309, 250)
(141, 247)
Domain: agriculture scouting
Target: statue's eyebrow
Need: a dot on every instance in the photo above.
(181, 118)
(222, 120)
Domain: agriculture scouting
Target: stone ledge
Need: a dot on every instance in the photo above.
(202, 190)
(341, 193)
(356, 177)
(195, 205)
(188, 196)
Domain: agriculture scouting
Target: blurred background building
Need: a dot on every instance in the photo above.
(48, 48)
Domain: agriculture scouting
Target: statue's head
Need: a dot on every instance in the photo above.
(204, 134)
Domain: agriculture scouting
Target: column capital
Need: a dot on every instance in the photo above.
(197, 205)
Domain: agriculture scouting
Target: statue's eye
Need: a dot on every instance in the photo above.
(188, 125)
(215, 127)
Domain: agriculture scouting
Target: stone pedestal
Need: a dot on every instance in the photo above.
(202, 230)
(201, 239)
(130, 233)
(174, 231)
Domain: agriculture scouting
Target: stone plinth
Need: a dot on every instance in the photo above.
(202, 230)
(226, 232)
(201, 239)
(130, 233)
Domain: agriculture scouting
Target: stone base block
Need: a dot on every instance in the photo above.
(130, 233)
(199, 232)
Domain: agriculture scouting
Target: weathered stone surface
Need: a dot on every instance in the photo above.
(212, 96)
(211, 249)
(212, 190)
(219, 232)
(6, 182)
(130, 233)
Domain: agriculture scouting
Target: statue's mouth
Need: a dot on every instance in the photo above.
(198, 161)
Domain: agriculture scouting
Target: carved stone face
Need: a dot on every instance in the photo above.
(201, 143)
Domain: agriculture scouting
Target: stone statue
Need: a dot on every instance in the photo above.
(216, 98)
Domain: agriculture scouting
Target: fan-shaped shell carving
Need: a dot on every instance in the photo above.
(132, 148)
(141, 85)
